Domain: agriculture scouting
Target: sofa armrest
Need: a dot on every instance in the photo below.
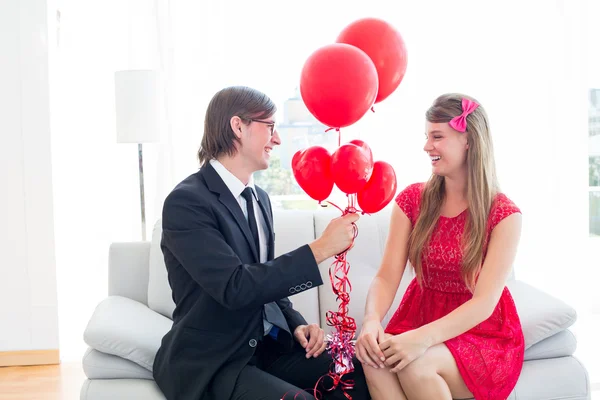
(128, 329)
(128, 265)
(563, 344)
(541, 314)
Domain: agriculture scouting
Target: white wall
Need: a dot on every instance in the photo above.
(96, 190)
(28, 298)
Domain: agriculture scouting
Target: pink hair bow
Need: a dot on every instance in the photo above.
(460, 122)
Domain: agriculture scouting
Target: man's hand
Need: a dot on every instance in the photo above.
(337, 237)
(312, 338)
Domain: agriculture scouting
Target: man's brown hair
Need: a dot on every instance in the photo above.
(241, 101)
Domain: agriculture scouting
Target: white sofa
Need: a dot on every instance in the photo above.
(126, 328)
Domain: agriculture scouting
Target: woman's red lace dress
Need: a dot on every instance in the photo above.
(489, 356)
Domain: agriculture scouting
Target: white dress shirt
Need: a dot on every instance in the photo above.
(236, 187)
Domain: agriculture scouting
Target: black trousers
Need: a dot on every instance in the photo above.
(273, 375)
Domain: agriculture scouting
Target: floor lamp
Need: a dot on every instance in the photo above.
(137, 117)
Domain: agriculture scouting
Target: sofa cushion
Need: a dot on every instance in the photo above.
(160, 298)
(562, 378)
(128, 329)
(541, 314)
(555, 378)
(364, 258)
(292, 230)
(98, 365)
(560, 345)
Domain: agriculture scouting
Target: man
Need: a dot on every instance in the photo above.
(235, 334)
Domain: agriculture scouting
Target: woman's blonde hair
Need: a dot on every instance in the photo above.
(482, 186)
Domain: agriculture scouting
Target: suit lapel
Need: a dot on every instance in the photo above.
(216, 185)
(266, 211)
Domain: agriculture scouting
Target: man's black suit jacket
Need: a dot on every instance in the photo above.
(219, 288)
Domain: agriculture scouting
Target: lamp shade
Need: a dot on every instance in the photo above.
(137, 106)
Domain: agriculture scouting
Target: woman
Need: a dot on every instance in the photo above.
(456, 333)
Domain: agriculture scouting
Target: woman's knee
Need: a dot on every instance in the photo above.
(377, 375)
(373, 373)
(383, 384)
(417, 372)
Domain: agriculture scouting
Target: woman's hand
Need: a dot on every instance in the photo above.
(367, 345)
(401, 350)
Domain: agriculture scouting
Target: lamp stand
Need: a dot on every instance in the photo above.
(142, 199)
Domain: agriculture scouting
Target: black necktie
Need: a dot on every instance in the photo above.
(272, 311)
(247, 194)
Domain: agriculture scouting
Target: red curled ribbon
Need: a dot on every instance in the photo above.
(340, 344)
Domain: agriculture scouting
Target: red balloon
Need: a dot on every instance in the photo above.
(338, 84)
(364, 146)
(380, 189)
(384, 45)
(312, 170)
(351, 168)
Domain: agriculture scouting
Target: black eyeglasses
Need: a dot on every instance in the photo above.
(270, 124)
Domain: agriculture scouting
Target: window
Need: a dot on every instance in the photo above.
(300, 130)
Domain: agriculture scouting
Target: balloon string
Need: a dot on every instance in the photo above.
(340, 341)
(339, 134)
